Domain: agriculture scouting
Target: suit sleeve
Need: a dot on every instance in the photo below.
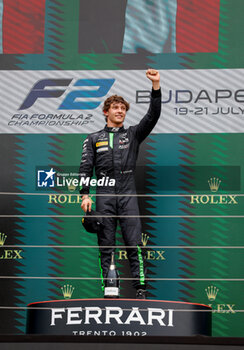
(86, 165)
(148, 122)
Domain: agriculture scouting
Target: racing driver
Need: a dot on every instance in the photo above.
(113, 151)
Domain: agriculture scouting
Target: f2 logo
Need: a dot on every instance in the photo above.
(71, 100)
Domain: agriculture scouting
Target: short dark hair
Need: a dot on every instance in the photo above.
(117, 99)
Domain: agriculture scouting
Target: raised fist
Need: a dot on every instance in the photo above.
(154, 76)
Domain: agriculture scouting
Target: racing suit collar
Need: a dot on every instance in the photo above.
(113, 129)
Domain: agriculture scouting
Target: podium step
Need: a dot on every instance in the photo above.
(118, 317)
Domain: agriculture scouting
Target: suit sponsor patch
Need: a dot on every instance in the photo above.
(102, 143)
(102, 149)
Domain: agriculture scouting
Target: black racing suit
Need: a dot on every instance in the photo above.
(113, 153)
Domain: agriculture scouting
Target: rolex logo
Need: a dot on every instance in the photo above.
(211, 292)
(67, 291)
(2, 239)
(71, 188)
(9, 254)
(214, 199)
(150, 254)
(144, 239)
(214, 184)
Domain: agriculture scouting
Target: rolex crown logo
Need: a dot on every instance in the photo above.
(211, 292)
(71, 188)
(214, 184)
(2, 238)
(144, 239)
(67, 291)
